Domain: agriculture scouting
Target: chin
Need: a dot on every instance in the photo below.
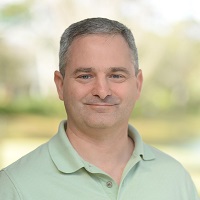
(100, 126)
(100, 123)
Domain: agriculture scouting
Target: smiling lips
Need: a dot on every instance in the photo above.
(101, 107)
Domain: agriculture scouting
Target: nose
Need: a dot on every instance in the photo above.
(101, 88)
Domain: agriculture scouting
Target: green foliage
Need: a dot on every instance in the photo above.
(173, 69)
(15, 12)
(46, 107)
(170, 64)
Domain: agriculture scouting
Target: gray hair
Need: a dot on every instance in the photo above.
(95, 26)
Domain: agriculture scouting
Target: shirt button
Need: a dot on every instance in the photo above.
(109, 184)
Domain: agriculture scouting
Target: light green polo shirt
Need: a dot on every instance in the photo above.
(54, 171)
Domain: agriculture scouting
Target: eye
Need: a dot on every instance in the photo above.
(85, 76)
(118, 78)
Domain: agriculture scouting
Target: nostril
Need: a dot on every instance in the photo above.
(102, 94)
(101, 89)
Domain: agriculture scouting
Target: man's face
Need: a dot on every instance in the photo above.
(100, 87)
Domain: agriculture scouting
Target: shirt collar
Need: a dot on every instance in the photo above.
(62, 152)
(141, 149)
(67, 160)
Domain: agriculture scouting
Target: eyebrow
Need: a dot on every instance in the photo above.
(90, 69)
(119, 69)
(82, 69)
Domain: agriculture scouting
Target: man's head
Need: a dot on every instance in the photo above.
(99, 81)
(95, 26)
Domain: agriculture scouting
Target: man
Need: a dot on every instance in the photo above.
(96, 154)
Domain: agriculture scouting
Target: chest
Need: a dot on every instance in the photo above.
(83, 185)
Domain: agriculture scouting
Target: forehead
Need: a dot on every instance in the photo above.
(99, 42)
(97, 50)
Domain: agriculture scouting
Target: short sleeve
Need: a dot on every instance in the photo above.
(7, 188)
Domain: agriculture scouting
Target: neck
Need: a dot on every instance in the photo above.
(105, 148)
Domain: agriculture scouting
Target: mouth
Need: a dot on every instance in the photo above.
(102, 107)
(100, 104)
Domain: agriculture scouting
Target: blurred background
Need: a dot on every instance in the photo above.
(167, 34)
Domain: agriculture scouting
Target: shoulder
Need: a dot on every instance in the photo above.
(21, 172)
(25, 167)
(166, 166)
(170, 172)
(162, 158)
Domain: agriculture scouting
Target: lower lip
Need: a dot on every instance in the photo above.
(100, 107)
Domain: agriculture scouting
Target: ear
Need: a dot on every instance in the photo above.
(139, 82)
(58, 79)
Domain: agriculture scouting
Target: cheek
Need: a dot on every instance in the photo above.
(128, 95)
(74, 93)
(125, 92)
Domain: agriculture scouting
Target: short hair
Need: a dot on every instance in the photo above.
(95, 26)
